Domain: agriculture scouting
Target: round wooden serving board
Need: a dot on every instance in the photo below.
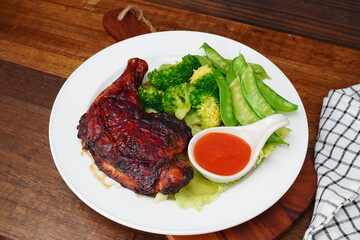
(276, 220)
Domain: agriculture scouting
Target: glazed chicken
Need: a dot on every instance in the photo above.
(135, 148)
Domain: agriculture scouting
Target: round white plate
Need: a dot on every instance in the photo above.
(251, 196)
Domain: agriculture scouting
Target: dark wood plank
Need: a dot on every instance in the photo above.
(35, 201)
(332, 21)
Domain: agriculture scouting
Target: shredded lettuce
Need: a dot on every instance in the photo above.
(159, 197)
(268, 149)
(198, 192)
(283, 132)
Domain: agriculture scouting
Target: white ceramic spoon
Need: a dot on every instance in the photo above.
(254, 134)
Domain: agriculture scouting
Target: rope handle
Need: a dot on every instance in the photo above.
(138, 13)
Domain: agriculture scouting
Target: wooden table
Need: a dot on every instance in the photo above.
(43, 42)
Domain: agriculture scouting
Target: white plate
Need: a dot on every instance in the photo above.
(244, 201)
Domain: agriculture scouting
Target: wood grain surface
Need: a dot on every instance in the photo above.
(35, 201)
(331, 21)
(43, 42)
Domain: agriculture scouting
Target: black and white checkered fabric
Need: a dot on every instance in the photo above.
(337, 162)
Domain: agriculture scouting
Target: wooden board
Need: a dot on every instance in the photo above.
(312, 19)
(272, 223)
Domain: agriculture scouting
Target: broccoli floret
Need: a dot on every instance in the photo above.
(150, 97)
(203, 78)
(176, 99)
(207, 108)
(171, 75)
(193, 120)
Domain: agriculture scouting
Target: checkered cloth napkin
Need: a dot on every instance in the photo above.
(337, 162)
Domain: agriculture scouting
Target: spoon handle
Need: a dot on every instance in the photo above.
(263, 129)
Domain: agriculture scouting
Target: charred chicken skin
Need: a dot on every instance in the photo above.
(135, 148)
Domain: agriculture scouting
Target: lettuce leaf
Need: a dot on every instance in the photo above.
(198, 192)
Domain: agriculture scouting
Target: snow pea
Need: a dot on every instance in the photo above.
(231, 74)
(243, 113)
(240, 65)
(259, 71)
(253, 96)
(274, 99)
(256, 101)
(237, 65)
(217, 60)
(205, 61)
(226, 106)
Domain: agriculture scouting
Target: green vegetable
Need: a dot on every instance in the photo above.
(203, 104)
(176, 99)
(201, 191)
(259, 71)
(253, 96)
(274, 99)
(207, 108)
(165, 65)
(150, 97)
(205, 61)
(159, 197)
(198, 192)
(216, 59)
(226, 106)
(269, 148)
(170, 75)
(242, 111)
(256, 101)
(237, 66)
(203, 78)
(193, 120)
(231, 74)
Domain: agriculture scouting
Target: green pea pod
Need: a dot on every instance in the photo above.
(255, 100)
(226, 106)
(259, 71)
(243, 113)
(239, 65)
(231, 74)
(205, 61)
(253, 96)
(274, 99)
(217, 60)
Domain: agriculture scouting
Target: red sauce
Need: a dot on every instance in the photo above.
(222, 153)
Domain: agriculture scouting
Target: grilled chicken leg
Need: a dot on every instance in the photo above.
(135, 148)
